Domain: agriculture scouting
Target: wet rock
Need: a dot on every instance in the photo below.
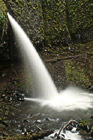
(20, 96)
(19, 126)
(69, 127)
(83, 133)
(4, 74)
(2, 127)
(1, 119)
(52, 120)
(91, 131)
(41, 134)
(3, 96)
(86, 128)
(6, 113)
(5, 123)
(12, 113)
(91, 117)
(38, 121)
(5, 133)
(26, 121)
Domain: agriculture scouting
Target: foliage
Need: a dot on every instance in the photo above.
(86, 125)
(80, 19)
(55, 27)
(53, 23)
(2, 15)
(15, 6)
(75, 73)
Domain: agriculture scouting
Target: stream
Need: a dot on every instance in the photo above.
(31, 116)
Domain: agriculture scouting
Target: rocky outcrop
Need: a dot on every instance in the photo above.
(79, 14)
(3, 28)
(2, 18)
(52, 23)
(56, 32)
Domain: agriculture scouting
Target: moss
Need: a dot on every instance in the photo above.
(2, 15)
(6, 113)
(16, 6)
(55, 27)
(92, 130)
(80, 19)
(82, 124)
(86, 125)
(0, 119)
(76, 74)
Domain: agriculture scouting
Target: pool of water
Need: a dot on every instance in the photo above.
(31, 115)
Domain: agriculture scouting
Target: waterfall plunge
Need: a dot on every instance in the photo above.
(43, 86)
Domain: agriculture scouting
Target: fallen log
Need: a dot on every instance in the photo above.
(65, 58)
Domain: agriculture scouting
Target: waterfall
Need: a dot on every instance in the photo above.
(42, 83)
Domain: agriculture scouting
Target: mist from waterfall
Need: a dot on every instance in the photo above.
(71, 98)
(43, 86)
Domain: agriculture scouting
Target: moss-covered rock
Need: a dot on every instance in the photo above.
(53, 23)
(29, 15)
(86, 126)
(78, 69)
(76, 74)
(80, 19)
(55, 26)
(43, 21)
(2, 18)
(92, 131)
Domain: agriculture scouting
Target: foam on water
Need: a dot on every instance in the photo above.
(68, 99)
(68, 136)
(71, 99)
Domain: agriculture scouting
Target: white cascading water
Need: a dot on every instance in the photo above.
(43, 86)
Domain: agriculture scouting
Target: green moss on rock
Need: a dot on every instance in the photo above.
(80, 19)
(2, 16)
(92, 131)
(75, 73)
(86, 125)
(15, 6)
(55, 27)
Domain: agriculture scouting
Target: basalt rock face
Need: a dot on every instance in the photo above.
(29, 15)
(51, 23)
(3, 29)
(80, 23)
(43, 21)
(2, 18)
(56, 32)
